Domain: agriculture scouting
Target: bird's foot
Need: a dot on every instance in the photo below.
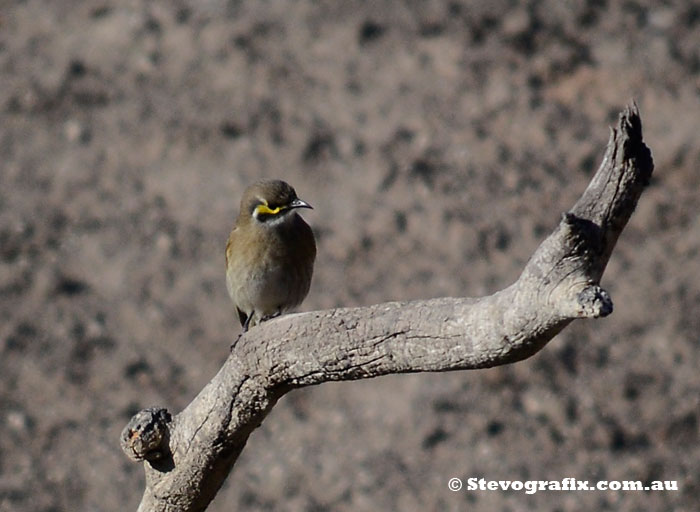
(235, 341)
(270, 317)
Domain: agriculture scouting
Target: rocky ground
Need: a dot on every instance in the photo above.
(439, 143)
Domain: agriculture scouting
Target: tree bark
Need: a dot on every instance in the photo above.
(187, 457)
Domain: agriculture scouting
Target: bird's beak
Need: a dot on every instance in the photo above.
(298, 203)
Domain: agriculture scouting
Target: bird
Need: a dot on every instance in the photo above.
(270, 253)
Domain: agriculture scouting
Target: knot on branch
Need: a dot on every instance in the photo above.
(147, 434)
(567, 267)
(594, 302)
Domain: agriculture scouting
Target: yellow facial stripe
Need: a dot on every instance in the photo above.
(264, 209)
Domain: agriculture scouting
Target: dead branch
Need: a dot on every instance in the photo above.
(187, 457)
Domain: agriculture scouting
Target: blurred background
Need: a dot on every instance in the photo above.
(439, 142)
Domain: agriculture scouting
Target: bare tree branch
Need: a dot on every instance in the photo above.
(188, 457)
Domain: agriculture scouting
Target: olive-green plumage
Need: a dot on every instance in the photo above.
(270, 253)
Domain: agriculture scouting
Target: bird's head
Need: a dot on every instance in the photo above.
(270, 202)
